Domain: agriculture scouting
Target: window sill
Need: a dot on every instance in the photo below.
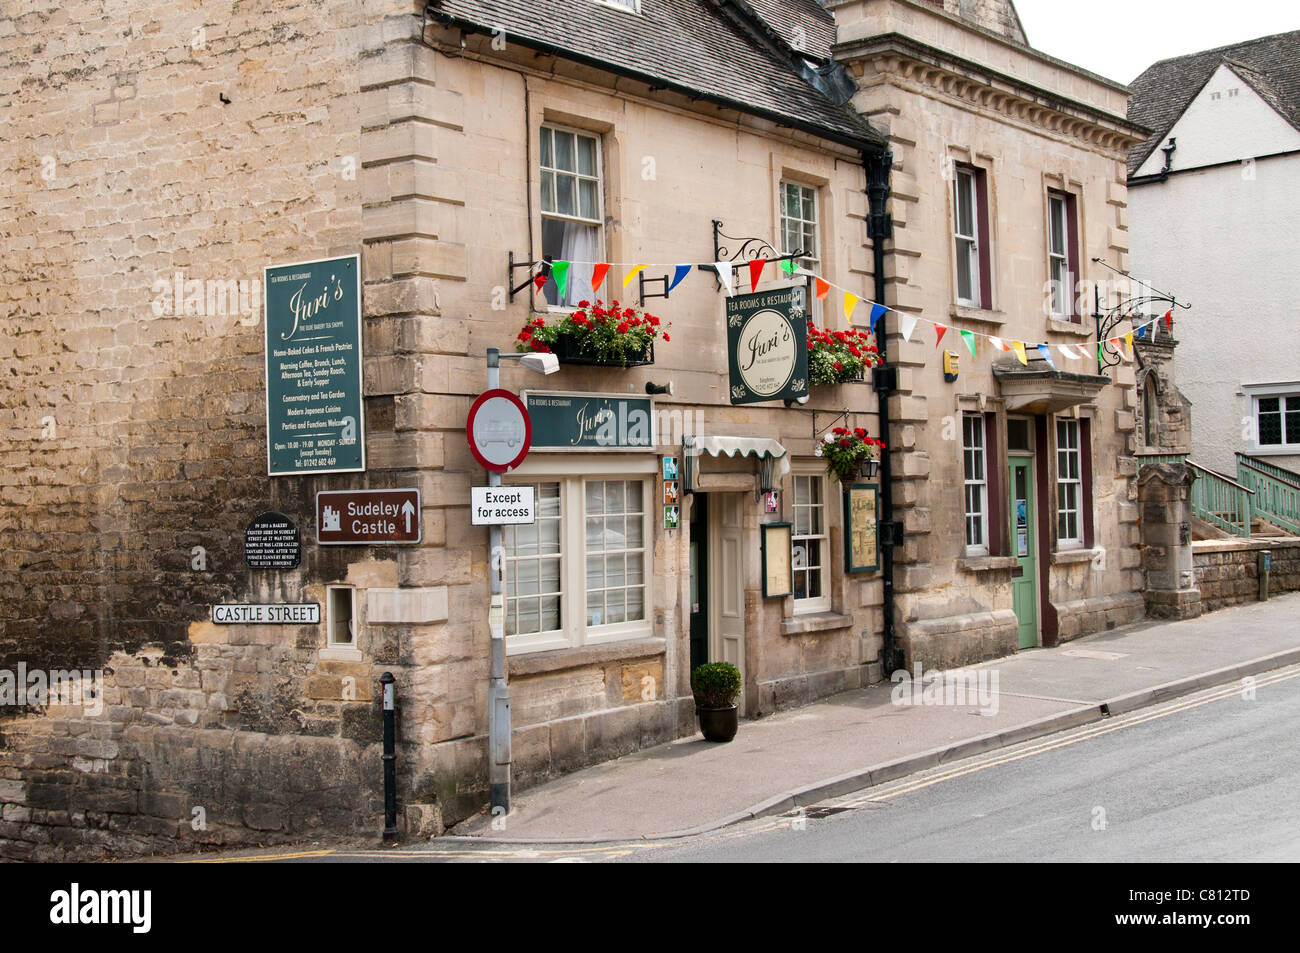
(816, 622)
(340, 653)
(987, 563)
(556, 660)
(1286, 450)
(965, 312)
(1066, 557)
(1057, 326)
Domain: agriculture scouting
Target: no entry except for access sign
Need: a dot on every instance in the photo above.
(364, 517)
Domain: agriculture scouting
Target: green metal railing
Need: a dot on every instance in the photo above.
(1217, 499)
(1277, 491)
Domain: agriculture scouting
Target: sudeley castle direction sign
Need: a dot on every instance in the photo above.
(314, 417)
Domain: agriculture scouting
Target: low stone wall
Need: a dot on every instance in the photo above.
(1227, 571)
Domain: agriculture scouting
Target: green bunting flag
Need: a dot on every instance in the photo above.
(787, 266)
(560, 272)
(969, 338)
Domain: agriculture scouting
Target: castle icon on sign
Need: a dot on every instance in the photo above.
(331, 520)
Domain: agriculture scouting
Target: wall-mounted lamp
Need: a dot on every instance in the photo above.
(872, 467)
(798, 400)
(652, 388)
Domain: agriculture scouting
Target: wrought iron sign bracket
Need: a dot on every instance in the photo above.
(818, 431)
(515, 266)
(1133, 309)
(749, 249)
(642, 281)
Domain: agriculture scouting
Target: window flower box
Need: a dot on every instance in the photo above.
(610, 335)
(840, 357)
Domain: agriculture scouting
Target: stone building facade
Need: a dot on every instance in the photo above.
(177, 153)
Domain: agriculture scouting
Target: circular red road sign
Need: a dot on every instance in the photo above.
(499, 430)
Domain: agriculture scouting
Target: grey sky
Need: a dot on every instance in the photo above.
(1121, 38)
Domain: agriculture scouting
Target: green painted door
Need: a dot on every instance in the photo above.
(1024, 577)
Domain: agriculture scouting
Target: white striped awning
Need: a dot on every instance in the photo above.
(774, 461)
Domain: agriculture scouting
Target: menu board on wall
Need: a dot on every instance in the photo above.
(315, 421)
(861, 539)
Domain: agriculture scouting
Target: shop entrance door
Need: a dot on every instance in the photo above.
(699, 607)
(1024, 577)
(726, 518)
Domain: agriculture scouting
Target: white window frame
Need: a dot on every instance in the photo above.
(1067, 452)
(806, 227)
(598, 222)
(971, 193)
(1283, 397)
(1059, 258)
(573, 474)
(341, 651)
(820, 603)
(979, 485)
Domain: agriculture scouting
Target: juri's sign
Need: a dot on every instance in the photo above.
(590, 421)
(767, 346)
(314, 416)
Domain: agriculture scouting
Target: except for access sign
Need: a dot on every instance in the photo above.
(365, 517)
(502, 505)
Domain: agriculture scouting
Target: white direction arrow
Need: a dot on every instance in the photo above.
(408, 510)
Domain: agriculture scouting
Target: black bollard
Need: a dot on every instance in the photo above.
(390, 762)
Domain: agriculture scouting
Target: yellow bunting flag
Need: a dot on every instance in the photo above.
(850, 302)
(1019, 348)
(1128, 339)
(632, 274)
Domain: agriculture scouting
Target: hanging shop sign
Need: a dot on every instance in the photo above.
(767, 346)
(272, 542)
(366, 517)
(564, 421)
(314, 415)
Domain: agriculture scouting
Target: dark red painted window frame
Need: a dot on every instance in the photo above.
(1071, 246)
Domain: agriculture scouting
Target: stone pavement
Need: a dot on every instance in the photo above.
(860, 738)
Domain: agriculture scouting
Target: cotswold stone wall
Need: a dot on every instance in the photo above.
(156, 153)
(1227, 571)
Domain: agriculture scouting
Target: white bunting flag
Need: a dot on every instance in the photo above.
(1069, 355)
(724, 274)
(1085, 350)
(907, 324)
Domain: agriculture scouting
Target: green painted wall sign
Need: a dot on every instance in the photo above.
(315, 421)
(767, 346)
(590, 421)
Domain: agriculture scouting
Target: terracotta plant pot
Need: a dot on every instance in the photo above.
(718, 724)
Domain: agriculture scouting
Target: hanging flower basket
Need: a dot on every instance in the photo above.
(840, 357)
(609, 336)
(847, 451)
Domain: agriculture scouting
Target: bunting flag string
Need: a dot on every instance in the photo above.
(1122, 346)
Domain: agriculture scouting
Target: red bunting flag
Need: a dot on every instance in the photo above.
(539, 280)
(1169, 319)
(939, 329)
(756, 272)
(597, 276)
(823, 287)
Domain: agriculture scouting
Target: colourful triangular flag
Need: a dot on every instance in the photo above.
(1069, 355)
(681, 272)
(1169, 319)
(636, 270)
(756, 272)
(822, 288)
(540, 280)
(997, 343)
(850, 302)
(877, 312)
(598, 277)
(1142, 331)
(723, 268)
(787, 266)
(1046, 351)
(560, 272)
(1128, 340)
(1019, 348)
(1083, 349)
(906, 324)
(939, 331)
(969, 338)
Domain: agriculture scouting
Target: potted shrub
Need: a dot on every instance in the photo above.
(847, 452)
(596, 333)
(716, 686)
(839, 357)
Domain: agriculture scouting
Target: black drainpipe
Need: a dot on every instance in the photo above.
(885, 381)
